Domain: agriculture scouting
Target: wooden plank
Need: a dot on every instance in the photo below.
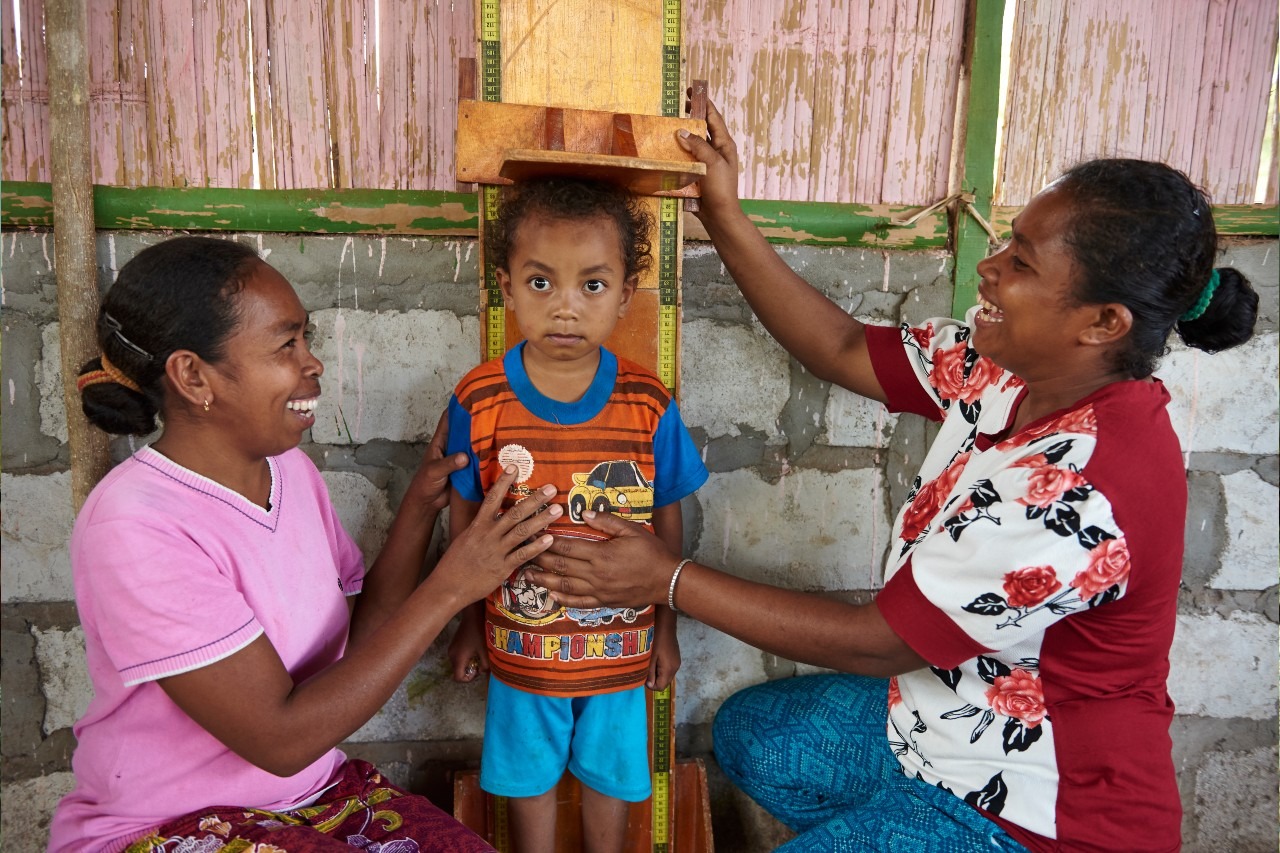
(491, 134)
(422, 212)
(691, 830)
(552, 54)
(29, 204)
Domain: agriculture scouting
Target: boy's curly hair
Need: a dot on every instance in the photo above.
(572, 198)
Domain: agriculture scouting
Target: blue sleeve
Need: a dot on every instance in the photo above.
(467, 481)
(678, 466)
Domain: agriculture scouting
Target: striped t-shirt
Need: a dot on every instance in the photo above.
(621, 448)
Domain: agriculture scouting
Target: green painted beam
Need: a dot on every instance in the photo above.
(971, 241)
(213, 209)
(842, 225)
(29, 204)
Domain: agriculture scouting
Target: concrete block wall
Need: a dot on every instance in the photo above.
(804, 482)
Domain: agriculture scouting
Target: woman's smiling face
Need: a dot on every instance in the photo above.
(1030, 317)
(266, 387)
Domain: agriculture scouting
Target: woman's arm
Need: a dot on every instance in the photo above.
(668, 526)
(394, 574)
(251, 703)
(468, 655)
(634, 567)
(816, 331)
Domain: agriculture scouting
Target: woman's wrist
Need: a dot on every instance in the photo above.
(674, 582)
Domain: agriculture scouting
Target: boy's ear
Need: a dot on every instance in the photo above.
(628, 291)
(188, 377)
(504, 282)
(1112, 323)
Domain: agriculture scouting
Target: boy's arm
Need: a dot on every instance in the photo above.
(467, 654)
(668, 525)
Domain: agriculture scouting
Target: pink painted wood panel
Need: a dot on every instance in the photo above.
(26, 97)
(1182, 82)
(846, 101)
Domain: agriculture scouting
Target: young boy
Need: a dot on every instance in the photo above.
(566, 689)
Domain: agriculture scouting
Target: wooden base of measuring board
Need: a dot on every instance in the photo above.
(691, 813)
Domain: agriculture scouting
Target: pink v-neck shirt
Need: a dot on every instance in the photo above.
(174, 572)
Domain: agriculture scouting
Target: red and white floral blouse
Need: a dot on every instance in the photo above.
(1038, 575)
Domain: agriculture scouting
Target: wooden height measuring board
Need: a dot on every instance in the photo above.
(555, 66)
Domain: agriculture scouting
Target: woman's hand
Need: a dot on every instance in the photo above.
(720, 154)
(429, 488)
(630, 569)
(495, 544)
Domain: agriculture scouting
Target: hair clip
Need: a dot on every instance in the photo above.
(114, 325)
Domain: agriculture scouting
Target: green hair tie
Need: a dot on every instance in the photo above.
(1206, 296)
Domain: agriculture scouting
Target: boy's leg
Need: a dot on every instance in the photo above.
(604, 822)
(610, 757)
(807, 748)
(526, 750)
(533, 822)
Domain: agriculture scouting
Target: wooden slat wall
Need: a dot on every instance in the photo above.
(25, 155)
(1182, 82)
(845, 101)
(185, 91)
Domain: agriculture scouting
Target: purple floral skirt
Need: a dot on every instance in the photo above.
(362, 811)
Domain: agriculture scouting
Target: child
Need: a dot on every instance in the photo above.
(565, 690)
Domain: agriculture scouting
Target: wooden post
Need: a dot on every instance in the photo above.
(74, 243)
(985, 23)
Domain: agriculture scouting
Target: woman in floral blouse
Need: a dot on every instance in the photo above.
(1031, 588)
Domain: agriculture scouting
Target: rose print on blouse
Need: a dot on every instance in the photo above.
(1027, 590)
(1030, 585)
(928, 499)
(1108, 569)
(961, 375)
(1013, 692)
(1018, 695)
(1083, 422)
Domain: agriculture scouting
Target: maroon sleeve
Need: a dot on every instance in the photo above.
(893, 368)
(922, 625)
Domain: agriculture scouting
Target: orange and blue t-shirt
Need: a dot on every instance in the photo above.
(621, 448)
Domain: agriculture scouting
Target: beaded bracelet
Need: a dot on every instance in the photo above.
(675, 576)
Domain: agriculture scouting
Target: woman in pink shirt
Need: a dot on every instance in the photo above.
(233, 634)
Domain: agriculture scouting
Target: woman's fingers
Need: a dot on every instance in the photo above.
(440, 438)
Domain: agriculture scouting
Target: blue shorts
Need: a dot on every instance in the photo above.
(530, 740)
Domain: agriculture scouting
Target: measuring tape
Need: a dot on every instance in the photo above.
(660, 733)
(669, 208)
(495, 312)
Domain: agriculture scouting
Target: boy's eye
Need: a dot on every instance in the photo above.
(309, 332)
(595, 285)
(1018, 263)
(540, 283)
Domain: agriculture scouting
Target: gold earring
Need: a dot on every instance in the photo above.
(206, 406)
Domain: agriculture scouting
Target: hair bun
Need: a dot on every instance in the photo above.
(1227, 316)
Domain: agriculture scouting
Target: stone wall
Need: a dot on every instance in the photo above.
(804, 479)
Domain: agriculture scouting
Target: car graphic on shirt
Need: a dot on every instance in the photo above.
(616, 486)
(594, 616)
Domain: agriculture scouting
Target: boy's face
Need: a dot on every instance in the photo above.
(567, 286)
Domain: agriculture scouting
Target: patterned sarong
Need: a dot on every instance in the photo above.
(362, 811)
